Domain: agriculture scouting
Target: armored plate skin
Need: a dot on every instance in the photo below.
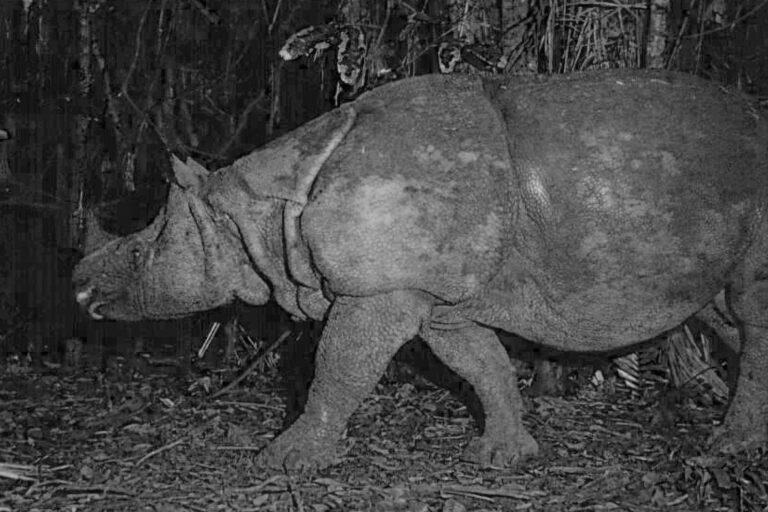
(587, 212)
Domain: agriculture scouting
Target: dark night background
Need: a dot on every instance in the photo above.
(97, 94)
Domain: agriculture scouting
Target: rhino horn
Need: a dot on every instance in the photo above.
(95, 236)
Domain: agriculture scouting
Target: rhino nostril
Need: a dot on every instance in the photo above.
(84, 296)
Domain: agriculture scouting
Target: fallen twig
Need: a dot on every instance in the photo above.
(16, 471)
(159, 450)
(251, 367)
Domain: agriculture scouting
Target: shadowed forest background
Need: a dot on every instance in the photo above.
(97, 94)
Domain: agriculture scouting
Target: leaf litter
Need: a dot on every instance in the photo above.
(85, 442)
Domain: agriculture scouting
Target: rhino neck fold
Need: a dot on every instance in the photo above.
(296, 249)
(258, 224)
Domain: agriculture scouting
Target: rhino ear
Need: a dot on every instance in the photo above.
(190, 175)
(95, 236)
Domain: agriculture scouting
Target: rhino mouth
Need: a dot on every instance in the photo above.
(93, 310)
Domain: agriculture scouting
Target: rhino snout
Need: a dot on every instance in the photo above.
(83, 296)
(85, 299)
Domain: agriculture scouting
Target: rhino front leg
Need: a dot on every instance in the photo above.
(361, 336)
(477, 355)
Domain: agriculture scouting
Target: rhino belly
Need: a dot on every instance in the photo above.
(606, 285)
(615, 264)
(639, 193)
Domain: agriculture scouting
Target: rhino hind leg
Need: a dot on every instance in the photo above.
(360, 337)
(477, 355)
(746, 421)
(716, 316)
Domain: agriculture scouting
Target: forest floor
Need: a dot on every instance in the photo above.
(95, 441)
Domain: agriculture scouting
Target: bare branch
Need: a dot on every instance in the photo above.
(274, 16)
(137, 47)
(242, 123)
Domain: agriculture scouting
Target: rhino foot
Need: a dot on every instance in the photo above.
(475, 353)
(300, 449)
(731, 438)
(500, 452)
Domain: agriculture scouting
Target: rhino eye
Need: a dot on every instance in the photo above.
(135, 259)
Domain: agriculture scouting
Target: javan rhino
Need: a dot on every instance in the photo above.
(586, 212)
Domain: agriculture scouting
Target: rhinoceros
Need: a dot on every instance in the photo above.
(586, 212)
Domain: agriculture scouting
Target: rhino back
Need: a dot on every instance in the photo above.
(641, 193)
(416, 195)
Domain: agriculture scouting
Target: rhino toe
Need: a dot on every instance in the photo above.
(731, 439)
(299, 449)
(294, 459)
(499, 452)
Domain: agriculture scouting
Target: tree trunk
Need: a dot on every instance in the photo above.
(80, 121)
(658, 28)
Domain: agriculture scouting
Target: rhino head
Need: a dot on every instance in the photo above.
(189, 259)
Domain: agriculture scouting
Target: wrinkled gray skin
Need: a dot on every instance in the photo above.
(588, 213)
